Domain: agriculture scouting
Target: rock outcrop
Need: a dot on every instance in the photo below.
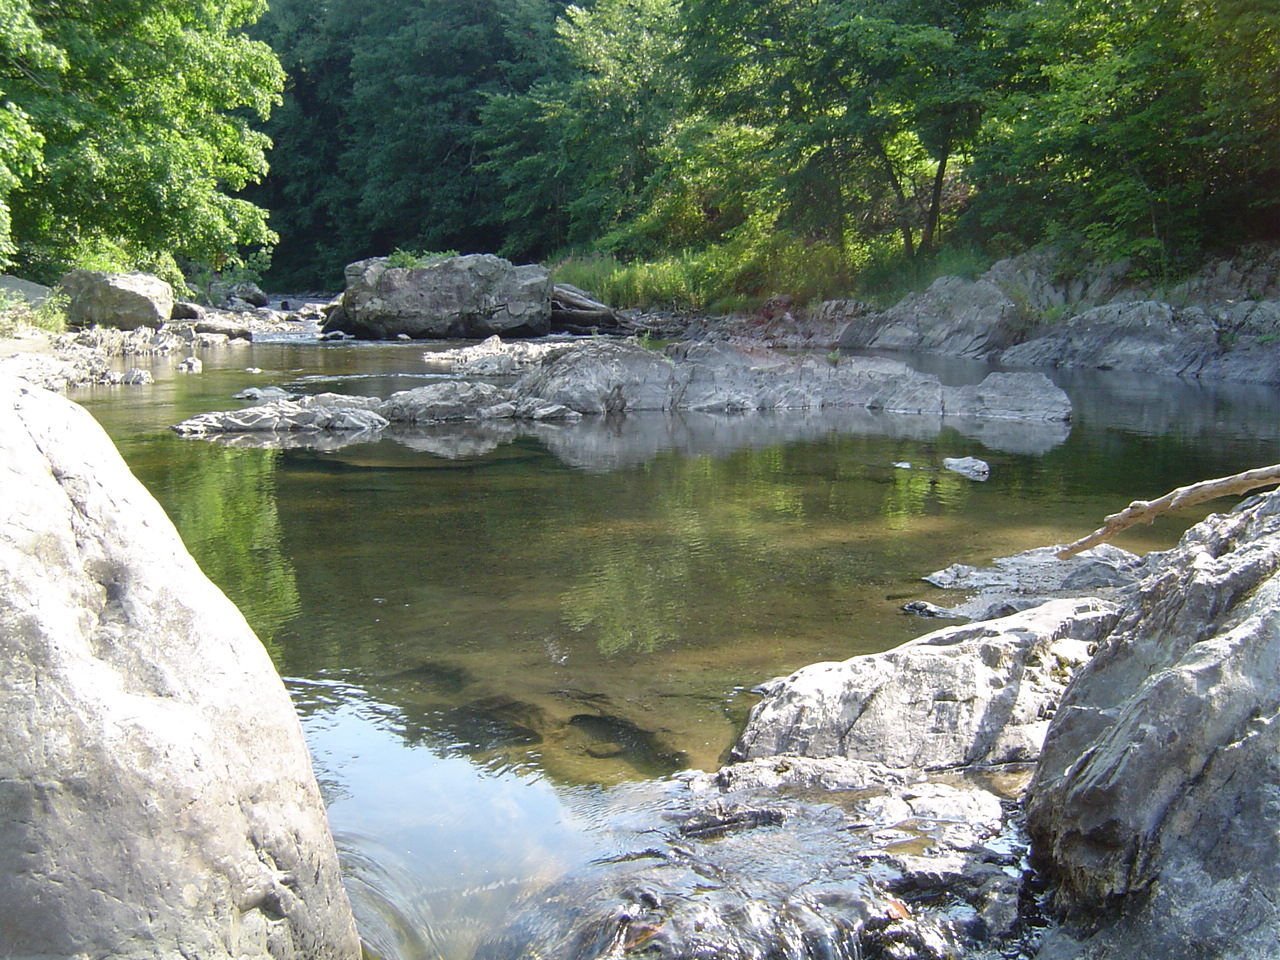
(1222, 323)
(123, 300)
(156, 795)
(953, 317)
(1154, 808)
(469, 297)
(981, 693)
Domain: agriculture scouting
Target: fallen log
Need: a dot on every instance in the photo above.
(572, 307)
(1144, 511)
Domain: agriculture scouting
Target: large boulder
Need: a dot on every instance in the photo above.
(469, 297)
(976, 694)
(156, 795)
(123, 300)
(954, 317)
(1155, 810)
(25, 290)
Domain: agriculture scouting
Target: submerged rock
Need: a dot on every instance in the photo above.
(785, 857)
(157, 793)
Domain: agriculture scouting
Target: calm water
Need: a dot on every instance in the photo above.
(494, 637)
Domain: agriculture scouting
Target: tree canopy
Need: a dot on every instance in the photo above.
(126, 129)
(750, 137)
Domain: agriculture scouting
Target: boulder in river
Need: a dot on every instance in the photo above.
(157, 795)
(123, 300)
(470, 297)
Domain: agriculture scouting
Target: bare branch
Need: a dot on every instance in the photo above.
(1144, 511)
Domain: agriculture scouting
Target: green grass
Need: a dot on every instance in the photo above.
(738, 276)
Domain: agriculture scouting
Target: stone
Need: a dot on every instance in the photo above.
(123, 300)
(186, 310)
(22, 289)
(156, 795)
(1155, 809)
(495, 357)
(248, 292)
(1142, 336)
(469, 297)
(321, 413)
(1028, 579)
(980, 693)
(955, 317)
(614, 377)
(971, 468)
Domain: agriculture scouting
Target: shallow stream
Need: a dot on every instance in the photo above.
(496, 638)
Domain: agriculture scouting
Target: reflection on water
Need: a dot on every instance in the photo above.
(489, 635)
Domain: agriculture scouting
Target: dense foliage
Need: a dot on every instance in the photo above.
(770, 143)
(125, 130)
(733, 146)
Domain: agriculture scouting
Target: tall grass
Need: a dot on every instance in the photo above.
(733, 277)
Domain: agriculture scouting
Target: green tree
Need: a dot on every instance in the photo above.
(377, 138)
(21, 48)
(868, 102)
(1145, 130)
(144, 110)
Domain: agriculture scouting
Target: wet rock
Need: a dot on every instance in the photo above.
(783, 857)
(1153, 810)
(469, 297)
(1027, 579)
(122, 300)
(186, 310)
(264, 393)
(970, 468)
(976, 694)
(190, 365)
(157, 796)
(618, 377)
(324, 412)
(496, 357)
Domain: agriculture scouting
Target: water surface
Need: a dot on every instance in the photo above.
(489, 633)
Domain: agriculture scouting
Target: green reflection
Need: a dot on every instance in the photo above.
(223, 502)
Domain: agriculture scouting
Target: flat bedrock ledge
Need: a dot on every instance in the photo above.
(615, 378)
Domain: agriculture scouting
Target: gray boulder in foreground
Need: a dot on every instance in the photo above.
(469, 297)
(122, 300)
(156, 795)
(978, 694)
(1155, 810)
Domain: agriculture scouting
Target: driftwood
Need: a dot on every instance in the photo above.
(571, 307)
(1144, 511)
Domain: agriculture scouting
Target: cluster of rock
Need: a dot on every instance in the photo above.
(867, 810)
(157, 794)
(616, 377)
(1224, 323)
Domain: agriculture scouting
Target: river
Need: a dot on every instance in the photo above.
(498, 639)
